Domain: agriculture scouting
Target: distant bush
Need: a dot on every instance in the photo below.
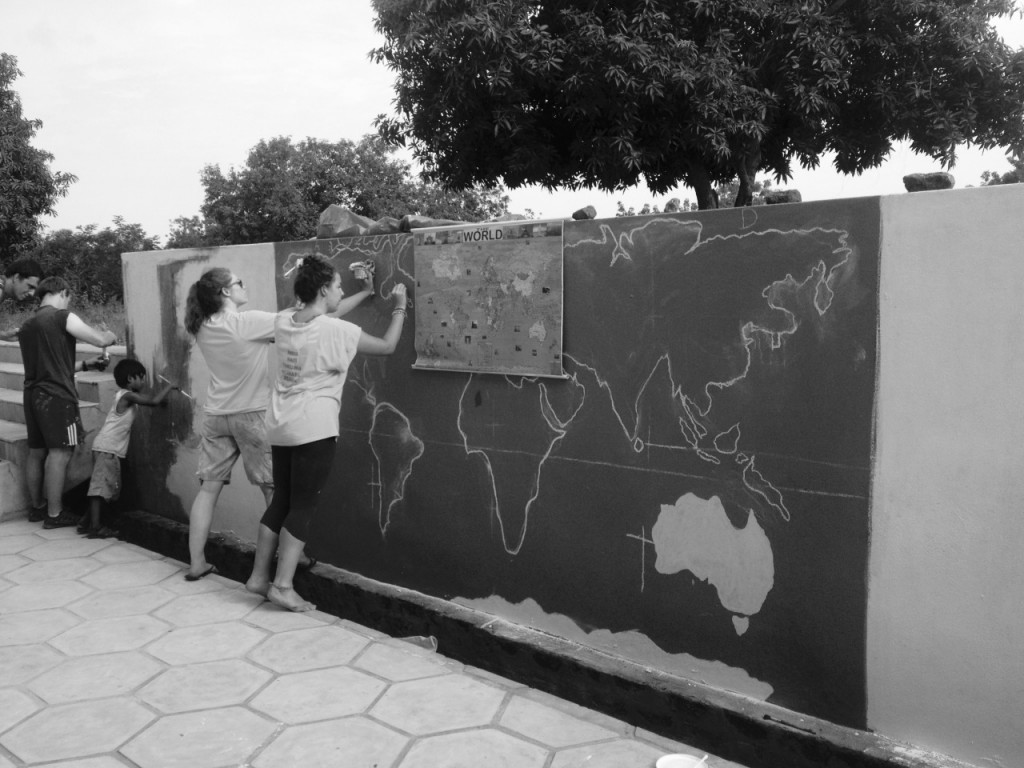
(90, 258)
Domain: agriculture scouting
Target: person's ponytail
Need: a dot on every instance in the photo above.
(205, 298)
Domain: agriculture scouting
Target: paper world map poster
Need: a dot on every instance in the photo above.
(489, 298)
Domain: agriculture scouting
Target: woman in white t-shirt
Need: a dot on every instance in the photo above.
(234, 345)
(314, 353)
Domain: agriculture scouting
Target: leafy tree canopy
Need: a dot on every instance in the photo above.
(28, 188)
(283, 187)
(609, 93)
(90, 258)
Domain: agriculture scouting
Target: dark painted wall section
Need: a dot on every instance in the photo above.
(701, 479)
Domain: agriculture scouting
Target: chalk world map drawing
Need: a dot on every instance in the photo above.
(489, 298)
(715, 313)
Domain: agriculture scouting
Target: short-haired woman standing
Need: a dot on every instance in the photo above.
(314, 352)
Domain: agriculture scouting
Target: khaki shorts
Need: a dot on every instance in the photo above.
(106, 476)
(225, 438)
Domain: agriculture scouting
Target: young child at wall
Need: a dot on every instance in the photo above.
(111, 444)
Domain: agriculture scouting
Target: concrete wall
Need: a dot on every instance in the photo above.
(945, 626)
(784, 464)
(156, 285)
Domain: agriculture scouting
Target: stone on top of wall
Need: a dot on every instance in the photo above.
(777, 196)
(338, 221)
(412, 221)
(589, 212)
(922, 182)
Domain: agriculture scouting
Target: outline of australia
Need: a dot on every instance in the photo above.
(695, 534)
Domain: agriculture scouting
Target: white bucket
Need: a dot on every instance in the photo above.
(680, 761)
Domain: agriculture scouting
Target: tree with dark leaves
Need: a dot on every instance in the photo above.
(611, 93)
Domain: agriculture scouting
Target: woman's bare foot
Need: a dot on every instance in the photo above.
(257, 586)
(289, 599)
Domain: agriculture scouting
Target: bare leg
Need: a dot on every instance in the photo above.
(34, 475)
(200, 518)
(266, 545)
(95, 510)
(282, 592)
(55, 470)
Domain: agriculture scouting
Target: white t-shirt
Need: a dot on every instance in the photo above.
(313, 360)
(234, 345)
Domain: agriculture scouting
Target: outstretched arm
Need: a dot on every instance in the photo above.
(351, 302)
(151, 400)
(84, 332)
(372, 345)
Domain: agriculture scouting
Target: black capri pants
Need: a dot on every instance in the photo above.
(300, 473)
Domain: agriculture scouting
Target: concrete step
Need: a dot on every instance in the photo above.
(12, 409)
(93, 386)
(12, 375)
(13, 441)
(14, 499)
(10, 352)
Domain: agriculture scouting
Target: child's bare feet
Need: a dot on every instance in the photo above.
(289, 599)
(257, 586)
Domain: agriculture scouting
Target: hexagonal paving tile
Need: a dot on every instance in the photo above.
(318, 695)
(108, 635)
(15, 706)
(17, 527)
(206, 642)
(95, 677)
(122, 552)
(118, 575)
(76, 730)
(21, 663)
(616, 754)
(395, 662)
(438, 704)
(205, 739)
(35, 626)
(484, 747)
(47, 594)
(549, 726)
(61, 548)
(110, 604)
(54, 570)
(306, 649)
(354, 741)
(209, 607)
(10, 545)
(269, 616)
(67, 532)
(204, 686)
(10, 563)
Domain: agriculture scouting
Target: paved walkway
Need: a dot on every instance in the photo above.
(109, 658)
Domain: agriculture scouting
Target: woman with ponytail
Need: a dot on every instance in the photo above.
(234, 345)
(315, 352)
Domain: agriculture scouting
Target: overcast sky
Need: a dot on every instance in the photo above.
(136, 96)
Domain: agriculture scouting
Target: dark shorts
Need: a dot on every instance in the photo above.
(52, 422)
